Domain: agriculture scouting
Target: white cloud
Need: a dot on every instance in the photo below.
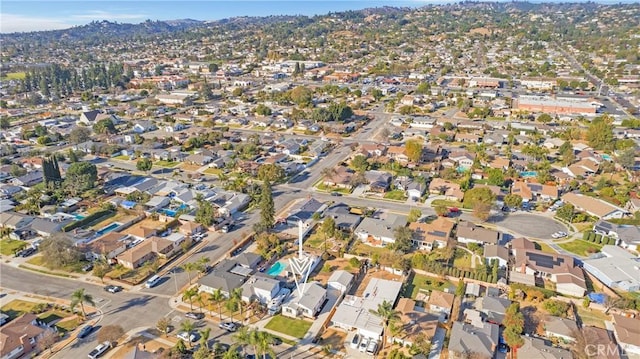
(105, 15)
(22, 23)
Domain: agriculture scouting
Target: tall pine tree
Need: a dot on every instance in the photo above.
(51, 172)
(267, 208)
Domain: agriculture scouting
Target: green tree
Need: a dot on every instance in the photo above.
(51, 172)
(80, 176)
(495, 177)
(413, 149)
(232, 353)
(271, 172)
(79, 296)
(206, 213)
(267, 209)
(600, 134)
(556, 307)
(217, 298)
(360, 163)
(144, 164)
(163, 325)
(460, 288)
(202, 352)
(204, 337)
(544, 118)
(263, 110)
(402, 236)
(441, 210)
(104, 126)
(59, 251)
(388, 315)
(627, 158)
(478, 195)
(79, 134)
(513, 200)
(414, 215)
(302, 96)
(328, 229)
(190, 294)
(566, 212)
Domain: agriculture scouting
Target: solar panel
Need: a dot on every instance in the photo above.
(545, 261)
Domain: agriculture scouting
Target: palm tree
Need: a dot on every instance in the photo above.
(263, 342)
(231, 305)
(236, 296)
(245, 336)
(232, 353)
(203, 264)
(189, 294)
(189, 267)
(188, 326)
(388, 315)
(204, 337)
(217, 297)
(80, 297)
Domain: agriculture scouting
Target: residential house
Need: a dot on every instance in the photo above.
(108, 246)
(341, 178)
(89, 118)
(144, 126)
(29, 179)
(260, 288)
(593, 206)
(615, 267)
(19, 338)
(140, 232)
(379, 181)
(583, 168)
(600, 338)
(493, 308)
(500, 163)
(627, 236)
(139, 352)
(379, 231)
(428, 236)
(398, 154)
(147, 250)
(341, 281)
(372, 150)
(462, 159)
(304, 210)
(440, 302)
(450, 190)
(468, 232)
(562, 328)
(46, 227)
(189, 228)
(467, 339)
(415, 323)
(415, 190)
(497, 252)
(15, 220)
(557, 268)
(306, 305)
(357, 313)
(627, 333)
(343, 218)
(198, 159)
(536, 348)
(226, 276)
(156, 203)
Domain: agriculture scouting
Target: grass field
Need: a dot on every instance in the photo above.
(14, 76)
(446, 203)
(292, 327)
(580, 247)
(166, 164)
(17, 307)
(397, 195)
(213, 171)
(425, 283)
(323, 187)
(9, 247)
(544, 247)
(592, 317)
(462, 259)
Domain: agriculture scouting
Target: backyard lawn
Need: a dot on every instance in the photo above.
(315, 240)
(544, 247)
(592, 317)
(397, 195)
(462, 259)
(213, 171)
(293, 327)
(17, 307)
(580, 247)
(9, 247)
(419, 282)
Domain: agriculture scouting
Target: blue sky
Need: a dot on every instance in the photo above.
(26, 15)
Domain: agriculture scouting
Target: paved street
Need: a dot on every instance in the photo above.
(535, 226)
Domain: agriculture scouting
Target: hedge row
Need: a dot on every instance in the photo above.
(598, 238)
(455, 272)
(86, 220)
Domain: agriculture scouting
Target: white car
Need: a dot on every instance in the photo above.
(558, 235)
(99, 350)
(187, 337)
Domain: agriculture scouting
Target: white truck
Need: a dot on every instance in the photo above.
(274, 306)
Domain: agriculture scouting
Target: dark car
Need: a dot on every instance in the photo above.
(336, 194)
(276, 341)
(503, 348)
(113, 288)
(194, 315)
(27, 252)
(87, 267)
(86, 330)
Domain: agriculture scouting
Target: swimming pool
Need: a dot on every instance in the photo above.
(172, 212)
(108, 228)
(276, 269)
(606, 157)
(528, 174)
(78, 216)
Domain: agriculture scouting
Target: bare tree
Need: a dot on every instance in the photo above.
(47, 340)
(110, 333)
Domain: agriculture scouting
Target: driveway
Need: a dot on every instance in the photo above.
(530, 225)
(438, 341)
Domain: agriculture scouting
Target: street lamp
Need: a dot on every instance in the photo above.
(175, 280)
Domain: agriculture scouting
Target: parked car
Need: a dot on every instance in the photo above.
(27, 252)
(229, 326)
(363, 345)
(113, 288)
(187, 337)
(355, 341)
(87, 267)
(99, 350)
(85, 331)
(194, 315)
(276, 341)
